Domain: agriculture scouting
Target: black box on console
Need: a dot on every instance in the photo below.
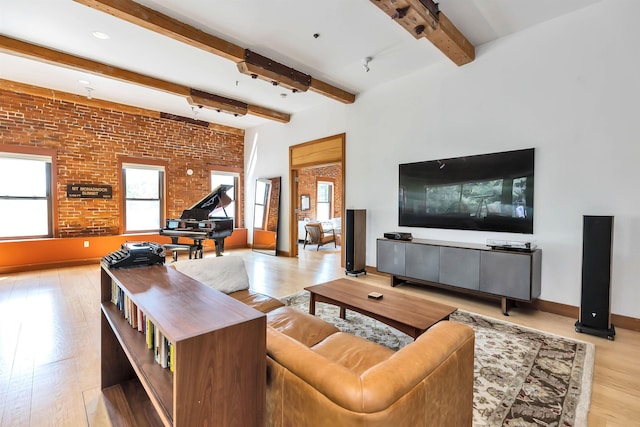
(396, 235)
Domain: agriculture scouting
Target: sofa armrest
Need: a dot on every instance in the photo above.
(257, 300)
(336, 382)
(446, 346)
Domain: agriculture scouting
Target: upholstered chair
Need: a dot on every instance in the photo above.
(316, 235)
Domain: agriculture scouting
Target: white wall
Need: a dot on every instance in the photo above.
(266, 154)
(568, 87)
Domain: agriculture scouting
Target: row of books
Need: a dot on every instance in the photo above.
(164, 351)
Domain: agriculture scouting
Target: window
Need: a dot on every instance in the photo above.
(25, 196)
(259, 214)
(144, 197)
(229, 178)
(325, 200)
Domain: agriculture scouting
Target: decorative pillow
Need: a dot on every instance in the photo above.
(225, 273)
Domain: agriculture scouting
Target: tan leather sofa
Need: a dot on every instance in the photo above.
(319, 376)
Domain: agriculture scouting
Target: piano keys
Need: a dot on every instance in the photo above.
(199, 222)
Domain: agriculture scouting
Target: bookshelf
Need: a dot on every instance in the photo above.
(218, 377)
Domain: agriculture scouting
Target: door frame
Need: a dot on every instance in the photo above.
(319, 152)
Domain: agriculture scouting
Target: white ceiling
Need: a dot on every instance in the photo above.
(349, 31)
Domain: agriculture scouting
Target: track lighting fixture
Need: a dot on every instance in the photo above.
(365, 63)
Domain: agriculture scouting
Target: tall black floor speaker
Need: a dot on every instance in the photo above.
(595, 302)
(355, 241)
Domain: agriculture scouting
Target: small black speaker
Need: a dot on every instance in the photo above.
(595, 302)
(355, 241)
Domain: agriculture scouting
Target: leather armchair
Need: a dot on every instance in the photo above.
(316, 235)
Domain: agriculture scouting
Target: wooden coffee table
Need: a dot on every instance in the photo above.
(406, 313)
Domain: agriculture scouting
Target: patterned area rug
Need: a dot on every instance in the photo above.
(523, 377)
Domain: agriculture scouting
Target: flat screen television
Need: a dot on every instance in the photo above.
(488, 192)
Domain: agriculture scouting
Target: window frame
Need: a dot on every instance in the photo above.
(236, 191)
(264, 203)
(330, 202)
(149, 164)
(49, 156)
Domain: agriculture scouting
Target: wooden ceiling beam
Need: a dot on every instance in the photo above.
(258, 66)
(421, 18)
(220, 103)
(254, 110)
(331, 91)
(150, 19)
(162, 24)
(54, 57)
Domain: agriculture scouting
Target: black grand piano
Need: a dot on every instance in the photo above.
(199, 223)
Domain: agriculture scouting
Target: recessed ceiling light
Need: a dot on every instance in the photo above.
(101, 35)
(83, 82)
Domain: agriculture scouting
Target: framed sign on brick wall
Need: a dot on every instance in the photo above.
(89, 191)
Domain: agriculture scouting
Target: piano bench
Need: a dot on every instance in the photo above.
(194, 250)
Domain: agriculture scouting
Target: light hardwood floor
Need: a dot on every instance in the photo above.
(50, 327)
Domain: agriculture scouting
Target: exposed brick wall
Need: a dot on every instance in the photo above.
(274, 205)
(307, 184)
(90, 140)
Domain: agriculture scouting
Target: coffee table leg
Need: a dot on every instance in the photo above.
(312, 303)
(343, 312)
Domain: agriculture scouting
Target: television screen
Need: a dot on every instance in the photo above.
(489, 192)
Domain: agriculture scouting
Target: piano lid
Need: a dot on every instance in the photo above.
(217, 199)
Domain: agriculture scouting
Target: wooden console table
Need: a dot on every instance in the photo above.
(219, 344)
(477, 269)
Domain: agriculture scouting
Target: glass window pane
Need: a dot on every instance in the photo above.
(323, 204)
(261, 192)
(323, 212)
(258, 216)
(219, 179)
(228, 179)
(23, 177)
(323, 193)
(142, 215)
(24, 218)
(142, 183)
